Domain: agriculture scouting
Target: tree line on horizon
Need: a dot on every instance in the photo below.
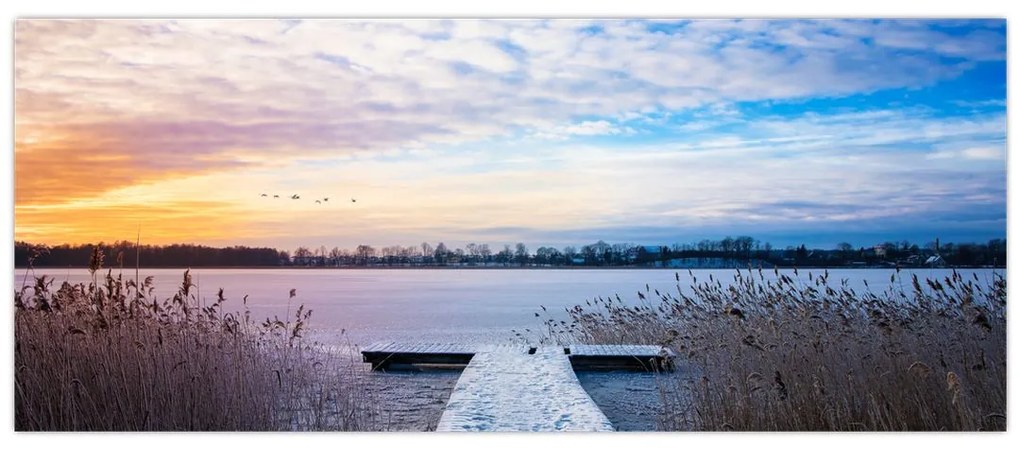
(738, 251)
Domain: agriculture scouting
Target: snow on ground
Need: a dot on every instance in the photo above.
(504, 389)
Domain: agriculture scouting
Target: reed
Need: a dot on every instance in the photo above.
(108, 356)
(774, 352)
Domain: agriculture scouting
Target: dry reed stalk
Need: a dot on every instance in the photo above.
(781, 352)
(110, 357)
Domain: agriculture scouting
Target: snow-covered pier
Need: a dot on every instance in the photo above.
(520, 388)
(507, 390)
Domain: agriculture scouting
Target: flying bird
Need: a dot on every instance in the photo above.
(295, 197)
(354, 200)
(276, 196)
(318, 202)
(325, 199)
(264, 194)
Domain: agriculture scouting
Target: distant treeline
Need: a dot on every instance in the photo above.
(729, 252)
(124, 254)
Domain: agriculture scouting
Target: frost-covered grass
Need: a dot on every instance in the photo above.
(794, 353)
(108, 356)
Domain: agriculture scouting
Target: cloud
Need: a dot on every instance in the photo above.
(986, 153)
(474, 78)
(592, 128)
(584, 128)
(488, 115)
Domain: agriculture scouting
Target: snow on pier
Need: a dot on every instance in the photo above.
(508, 390)
(519, 388)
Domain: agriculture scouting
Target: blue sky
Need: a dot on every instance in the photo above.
(550, 132)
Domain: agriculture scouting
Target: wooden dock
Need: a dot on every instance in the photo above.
(520, 391)
(519, 388)
(647, 357)
(386, 355)
(392, 355)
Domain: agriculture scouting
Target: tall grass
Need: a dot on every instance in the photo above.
(779, 352)
(108, 356)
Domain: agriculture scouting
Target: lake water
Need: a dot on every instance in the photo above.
(445, 305)
(441, 305)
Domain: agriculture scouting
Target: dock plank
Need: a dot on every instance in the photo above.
(649, 357)
(617, 350)
(385, 355)
(515, 391)
(582, 356)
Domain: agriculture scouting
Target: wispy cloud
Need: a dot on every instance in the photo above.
(585, 128)
(972, 153)
(541, 124)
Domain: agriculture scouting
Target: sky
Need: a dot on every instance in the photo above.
(547, 132)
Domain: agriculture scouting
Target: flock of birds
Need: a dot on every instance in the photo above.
(298, 197)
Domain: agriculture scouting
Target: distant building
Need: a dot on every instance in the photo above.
(649, 251)
(881, 250)
(935, 261)
(309, 260)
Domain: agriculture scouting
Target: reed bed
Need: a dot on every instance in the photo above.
(791, 353)
(108, 356)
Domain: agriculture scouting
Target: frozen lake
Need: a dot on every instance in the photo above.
(441, 305)
(446, 305)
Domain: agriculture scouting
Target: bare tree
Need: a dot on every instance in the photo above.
(364, 252)
(743, 245)
(521, 254)
(484, 251)
(441, 253)
(569, 253)
(334, 256)
(426, 250)
(505, 256)
(302, 255)
(547, 255)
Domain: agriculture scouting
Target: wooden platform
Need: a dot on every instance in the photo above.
(392, 355)
(519, 391)
(647, 357)
(386, 355)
